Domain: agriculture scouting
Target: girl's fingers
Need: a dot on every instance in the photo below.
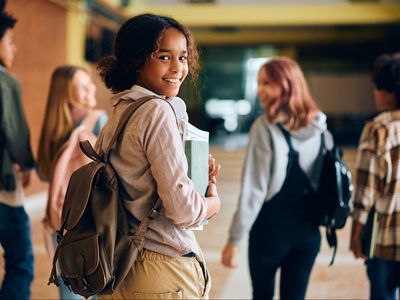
(217, 170)
(213, 169)
(213, 179)
(210, 163)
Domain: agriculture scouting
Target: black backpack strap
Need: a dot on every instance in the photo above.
(330, 232)
(323, 143)
(286, 135)
(332, 241)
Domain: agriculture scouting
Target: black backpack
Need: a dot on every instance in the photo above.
(334, 193)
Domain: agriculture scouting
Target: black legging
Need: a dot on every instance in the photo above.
(289, 245)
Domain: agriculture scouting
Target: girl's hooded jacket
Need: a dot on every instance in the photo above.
(265, 165)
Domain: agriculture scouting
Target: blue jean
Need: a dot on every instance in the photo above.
(15, 238)
(384, 278)
(65, 292)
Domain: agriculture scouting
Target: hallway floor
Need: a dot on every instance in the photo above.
(346, 279)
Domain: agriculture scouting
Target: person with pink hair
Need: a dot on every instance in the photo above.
(281, 173)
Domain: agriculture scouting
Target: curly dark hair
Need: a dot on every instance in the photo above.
(136, 40)
(386, 74)
(7, 21)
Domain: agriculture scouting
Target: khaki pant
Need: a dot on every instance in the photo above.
(158, 276)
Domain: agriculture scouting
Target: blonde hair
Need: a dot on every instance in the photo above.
(295, 101)
(58, 122)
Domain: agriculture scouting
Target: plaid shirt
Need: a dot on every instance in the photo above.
(378, 181)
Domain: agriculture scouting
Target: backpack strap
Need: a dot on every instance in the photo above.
(323, 143)
(138, 237)
(286, 135)
(140, 232)
(87, 148)
(330, 231)
(124, 120)
(331, 237)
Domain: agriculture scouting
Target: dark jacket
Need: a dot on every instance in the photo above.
(14, 132)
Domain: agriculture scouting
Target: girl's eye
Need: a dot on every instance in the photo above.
(183, 58)
(163, 57)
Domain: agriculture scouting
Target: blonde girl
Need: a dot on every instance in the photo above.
(69, 117)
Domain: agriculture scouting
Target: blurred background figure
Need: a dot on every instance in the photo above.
(280, 175)
(70, 117)
(15, 150)
(377, 184)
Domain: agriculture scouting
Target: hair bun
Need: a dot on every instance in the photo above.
(110, 71)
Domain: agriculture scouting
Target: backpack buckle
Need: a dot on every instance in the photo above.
(59, 235)
(66, 282)
(152, 213)
(82, 281)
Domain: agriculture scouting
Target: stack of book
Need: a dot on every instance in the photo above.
(196, 150)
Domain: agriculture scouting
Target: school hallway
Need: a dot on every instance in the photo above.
(346, 279)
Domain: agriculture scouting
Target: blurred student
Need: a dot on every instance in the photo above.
(281, 172)
(378, 182)
(69, 118)
(15, 149)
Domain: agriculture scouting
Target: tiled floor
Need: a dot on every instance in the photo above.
(346, 279)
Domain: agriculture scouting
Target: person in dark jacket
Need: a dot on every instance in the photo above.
(16, 161)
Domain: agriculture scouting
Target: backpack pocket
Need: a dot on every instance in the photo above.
(84, 265)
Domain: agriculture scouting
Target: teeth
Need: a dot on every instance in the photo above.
(172, 80)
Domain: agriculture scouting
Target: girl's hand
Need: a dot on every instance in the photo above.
(213, 169)
(229, 256)
(212, 190)
(213, 201)
(24, 177)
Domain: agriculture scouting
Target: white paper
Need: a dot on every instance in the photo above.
(195, 134)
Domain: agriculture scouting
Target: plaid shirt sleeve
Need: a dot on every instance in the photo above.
(368, 174)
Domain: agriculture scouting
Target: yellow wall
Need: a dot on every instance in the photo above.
(204, 15)
(76, 31)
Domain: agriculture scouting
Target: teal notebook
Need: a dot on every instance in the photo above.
(196, 150)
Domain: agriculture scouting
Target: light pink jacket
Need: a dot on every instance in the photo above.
(68, 159)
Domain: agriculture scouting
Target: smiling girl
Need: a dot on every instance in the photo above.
(152, 56)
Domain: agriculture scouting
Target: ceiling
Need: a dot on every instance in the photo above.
(236, 22)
